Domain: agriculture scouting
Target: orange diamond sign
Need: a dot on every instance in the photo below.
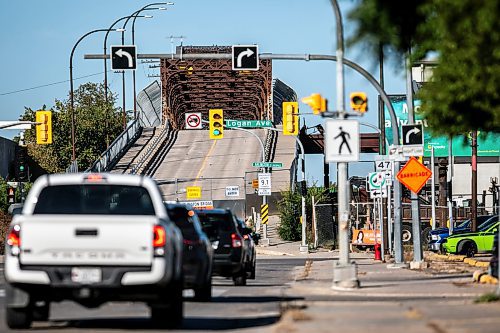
(414, 175)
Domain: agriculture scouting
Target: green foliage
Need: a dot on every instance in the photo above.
(3, 195)
(290, 211)
(487, 298)
(92, 117)
(289, 208)
(464, 94)
(465, 36)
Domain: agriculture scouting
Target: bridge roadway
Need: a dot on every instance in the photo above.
(195, 160)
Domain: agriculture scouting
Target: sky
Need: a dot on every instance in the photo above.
(37, 37)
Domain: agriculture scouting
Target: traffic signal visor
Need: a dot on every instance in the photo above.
(216, 123)
(290, 118)
(359, 102)
(44, 128)
(316, 102)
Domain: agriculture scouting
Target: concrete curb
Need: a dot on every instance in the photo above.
(458, 258)
(262, 251)
(484, 278)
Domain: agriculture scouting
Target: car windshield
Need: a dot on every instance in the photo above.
(94, 199)
(212, 224)
(487, 224)
(464, 224)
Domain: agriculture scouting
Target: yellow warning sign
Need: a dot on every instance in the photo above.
(193, 192)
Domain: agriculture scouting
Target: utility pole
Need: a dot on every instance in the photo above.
(474, 181)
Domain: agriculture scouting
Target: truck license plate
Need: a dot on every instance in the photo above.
(86, 275)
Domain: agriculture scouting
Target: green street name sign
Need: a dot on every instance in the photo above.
(267, 165)
(248, 123)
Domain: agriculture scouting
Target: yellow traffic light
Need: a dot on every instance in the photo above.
(316, 102)
(216, 121)
(290, 118)
(359, 102)
(44, 129)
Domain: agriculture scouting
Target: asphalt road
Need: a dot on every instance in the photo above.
(252, 307)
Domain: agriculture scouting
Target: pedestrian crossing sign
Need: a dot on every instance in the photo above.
(341, 140)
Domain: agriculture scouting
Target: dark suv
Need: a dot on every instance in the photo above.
(231, 252)
(197, 251)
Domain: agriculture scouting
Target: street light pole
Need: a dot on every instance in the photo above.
(344, 273)
(133, 41)
(73, 145)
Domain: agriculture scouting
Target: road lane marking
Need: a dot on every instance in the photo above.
(2, 292)
(205, 161)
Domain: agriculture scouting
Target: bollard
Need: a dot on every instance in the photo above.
(378, 254)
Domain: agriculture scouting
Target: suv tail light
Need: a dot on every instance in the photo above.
(14, 239)
(235, 240)
(159, 240)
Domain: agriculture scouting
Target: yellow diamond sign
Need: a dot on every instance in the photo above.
(414, 175)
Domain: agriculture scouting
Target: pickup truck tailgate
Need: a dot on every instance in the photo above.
(87, 240)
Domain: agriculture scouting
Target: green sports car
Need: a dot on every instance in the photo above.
(471, 243)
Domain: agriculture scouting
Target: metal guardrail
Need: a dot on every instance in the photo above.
(116, 149)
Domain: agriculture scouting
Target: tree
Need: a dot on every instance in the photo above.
(92, 116)
(290, 211)
(465, 36)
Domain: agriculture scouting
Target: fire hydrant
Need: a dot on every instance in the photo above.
(378, 254)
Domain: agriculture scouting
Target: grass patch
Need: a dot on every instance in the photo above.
(488, 298)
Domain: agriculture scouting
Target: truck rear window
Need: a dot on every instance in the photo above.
(94, 199)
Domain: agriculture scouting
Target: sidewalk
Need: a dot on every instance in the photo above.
(388, 300)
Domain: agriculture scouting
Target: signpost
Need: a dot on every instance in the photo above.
(193, 120)
(123, 57)
(245, 57)
(267, 164)
(248, 123)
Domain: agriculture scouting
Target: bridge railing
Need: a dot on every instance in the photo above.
(117, 148)
(150, 150)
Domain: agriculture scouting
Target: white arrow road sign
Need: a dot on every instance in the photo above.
(246, 53)
(122, 53)
(410, 132)
(245, 57)
(341, 140)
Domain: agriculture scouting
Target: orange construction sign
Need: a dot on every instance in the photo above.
(414, 175)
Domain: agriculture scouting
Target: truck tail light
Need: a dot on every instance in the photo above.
(159, 240)
(14, 239)
(236, 240)
(159, 236)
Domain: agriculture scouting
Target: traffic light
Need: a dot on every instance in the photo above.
(44, 129)
(359, 102)
(21, 165)
(316, 102)
(216, 121)
(11, 195)
(290, 118)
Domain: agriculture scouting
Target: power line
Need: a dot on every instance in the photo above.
(49, 84)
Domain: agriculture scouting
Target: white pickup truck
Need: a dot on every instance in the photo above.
(93, 238)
